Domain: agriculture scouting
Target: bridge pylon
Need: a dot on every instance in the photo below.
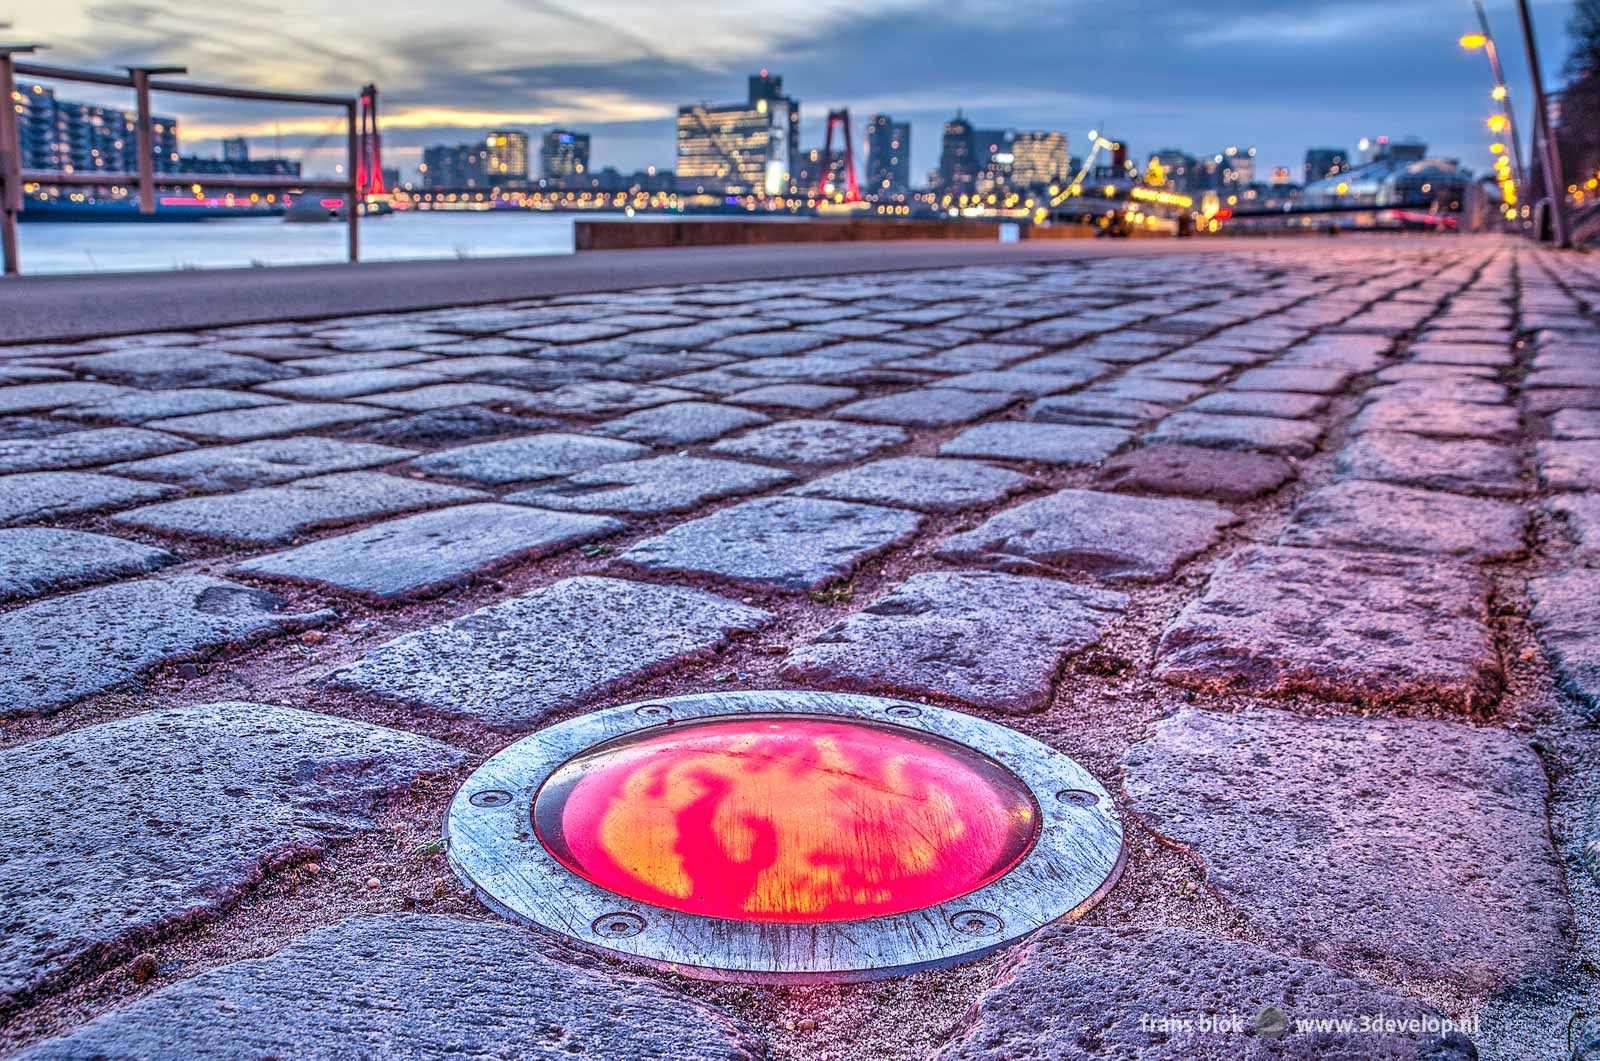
(840, 119)
(369, 147)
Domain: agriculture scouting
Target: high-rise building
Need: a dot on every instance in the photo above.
(259, 167)
(888, 157)
(58, 134)
(1040, 159)
(810, 179)
(1324, 162)
(506, 157)
(994, 158)
(1173, 169)
(563, 154)
(1408, 150)
(454, 166)
(740, 148)
(1374, 148)
(769, 87)
(1238, 166)
(236, 149)
(958, 157)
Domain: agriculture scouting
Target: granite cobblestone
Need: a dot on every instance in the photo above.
(916, 483)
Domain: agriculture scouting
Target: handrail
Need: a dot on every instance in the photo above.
(143, 81)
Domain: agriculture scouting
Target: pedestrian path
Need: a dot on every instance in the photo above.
(1297, 550)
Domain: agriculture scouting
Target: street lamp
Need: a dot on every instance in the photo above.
(1485, 40)
(1547, 138)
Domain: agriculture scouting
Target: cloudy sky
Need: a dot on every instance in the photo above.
(1281, 76)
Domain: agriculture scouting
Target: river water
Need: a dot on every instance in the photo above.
(110, 246)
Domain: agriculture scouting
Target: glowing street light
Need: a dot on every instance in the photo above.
(1505, 121)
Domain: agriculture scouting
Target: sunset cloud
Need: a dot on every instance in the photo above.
(1277, 75)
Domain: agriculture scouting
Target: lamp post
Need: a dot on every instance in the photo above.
(1552, 151)
(1485, 40)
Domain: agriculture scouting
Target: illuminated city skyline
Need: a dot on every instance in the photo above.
(620, 69)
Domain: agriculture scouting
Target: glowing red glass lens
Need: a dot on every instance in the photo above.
(789, 818)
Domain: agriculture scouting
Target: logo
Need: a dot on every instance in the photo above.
(1271, 1023)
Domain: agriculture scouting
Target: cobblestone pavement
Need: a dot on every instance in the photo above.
(1294, 549)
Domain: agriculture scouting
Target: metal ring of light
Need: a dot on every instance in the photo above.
(1075, 859)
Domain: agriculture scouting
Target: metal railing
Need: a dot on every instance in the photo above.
(143, 81)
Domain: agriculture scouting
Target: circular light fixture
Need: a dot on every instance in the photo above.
(785, 836)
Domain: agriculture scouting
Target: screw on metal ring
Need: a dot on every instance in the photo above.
(903, 711)
(976, 923)
(1078, 797)
(618, 925)
(653, 711)
(490, 797)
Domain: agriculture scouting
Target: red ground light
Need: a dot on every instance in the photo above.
(791, 818)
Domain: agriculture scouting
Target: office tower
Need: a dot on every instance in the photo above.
(563, 154)
(958, 168)
(888, 157)
(1324, 162)
(75, 137)
(749, 148)
(506, 157)
(1040, 159)
(454, 166)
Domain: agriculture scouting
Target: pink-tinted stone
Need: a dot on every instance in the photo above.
(1581, 515)
(1463, 465)
(1167, 994)
(1295, 378)
(1412, 849)
(927, 484)
(1575, 423)
(1369, 628)
(1440, 418)
(1466, 389)
(1553, 401)
(984, 638)
(1566, 613)
(1265, 434)
(1398, 519)
(411, 986)
(1570, 465)
(1195, 471)
(1282, 404)
(1113, 536)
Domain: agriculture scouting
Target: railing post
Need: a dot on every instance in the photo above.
(10, 160)
(1551, 162)
(145, 136)
(353, 200)
(146, 131)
